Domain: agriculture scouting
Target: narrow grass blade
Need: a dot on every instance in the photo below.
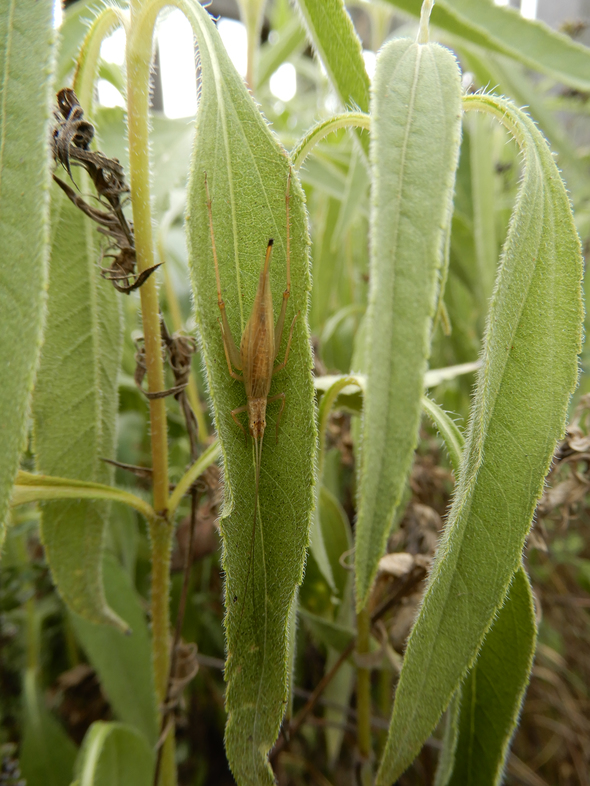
(529, 370)
(247, 174)
(414, 148)
(26, 62)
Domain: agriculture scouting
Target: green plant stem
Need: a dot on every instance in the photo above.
(135, 6)
(139, 55)
(161, 545)
(363, 686)
(205, 460)
(423, 32)
(138, 69)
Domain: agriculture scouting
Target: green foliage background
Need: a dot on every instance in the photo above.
(503, 199)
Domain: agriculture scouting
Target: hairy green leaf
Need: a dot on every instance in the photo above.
(529, 370)
(114, 754)
(414, 148)
(504, 30)
(75, 405)
(247, 174)
(492, 694)
(123, 662)
(26, 63)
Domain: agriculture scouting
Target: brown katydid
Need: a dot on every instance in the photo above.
(257, 355)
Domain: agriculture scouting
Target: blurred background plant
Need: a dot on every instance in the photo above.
(39, 637)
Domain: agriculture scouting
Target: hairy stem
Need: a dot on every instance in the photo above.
(89, 55)
(139, 55)
(325, 127)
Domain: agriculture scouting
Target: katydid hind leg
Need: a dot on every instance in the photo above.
(287, 293)
(232, 373)
(282, 365)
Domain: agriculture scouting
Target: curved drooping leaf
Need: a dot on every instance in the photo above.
(492, 694)
(26, 62)
(504, 30)
(529, 370)
(123, 662)
(247, 175)
(114, 754)
(75, 405)
(414, 148)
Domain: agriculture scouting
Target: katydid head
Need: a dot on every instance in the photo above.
(257, 417)
(264, 271)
